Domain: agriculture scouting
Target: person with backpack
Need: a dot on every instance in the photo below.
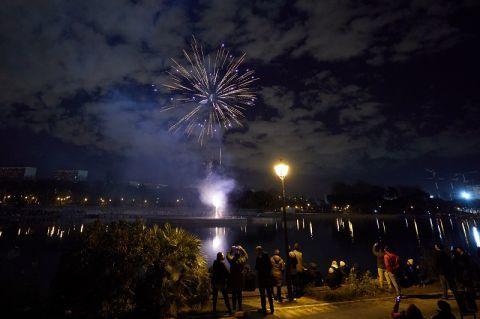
(278, 265)
(392, 265)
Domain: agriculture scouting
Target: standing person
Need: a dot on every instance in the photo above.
(465, 269)
(292, 268)
(220, 275)
(392, 264)
(237, 258)
(278, 266)
(378, 251)
(298, 283)
(263, 266)
(442, 266)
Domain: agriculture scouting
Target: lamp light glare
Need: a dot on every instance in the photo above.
(281, 170)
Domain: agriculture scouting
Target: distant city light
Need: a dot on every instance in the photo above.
(465, 195)
(431, 196)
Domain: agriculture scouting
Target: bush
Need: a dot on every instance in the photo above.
(126, 269)
(354, 288)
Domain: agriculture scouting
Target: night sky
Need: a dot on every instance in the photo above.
(348, 90)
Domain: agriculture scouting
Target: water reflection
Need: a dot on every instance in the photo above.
(218, 240)
(416, 230)
(348, 236)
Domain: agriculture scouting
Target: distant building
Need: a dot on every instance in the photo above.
(70, 175)
(18, 173)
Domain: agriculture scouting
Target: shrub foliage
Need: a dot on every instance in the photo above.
(354, 288)
(127, 269)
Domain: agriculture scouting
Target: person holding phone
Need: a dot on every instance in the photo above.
(237, 258)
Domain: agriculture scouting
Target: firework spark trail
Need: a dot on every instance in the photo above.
(212, 91)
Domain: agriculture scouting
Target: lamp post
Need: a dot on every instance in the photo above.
(281, 169)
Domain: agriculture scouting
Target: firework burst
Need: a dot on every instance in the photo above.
(212, 91)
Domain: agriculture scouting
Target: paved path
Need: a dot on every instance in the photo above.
(364, 309)
(370, 308)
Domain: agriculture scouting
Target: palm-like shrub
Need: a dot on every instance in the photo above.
(123, 269)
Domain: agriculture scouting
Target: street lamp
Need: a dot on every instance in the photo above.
(281, 169)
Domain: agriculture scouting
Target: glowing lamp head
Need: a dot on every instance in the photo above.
(465, 195)
(281, 169)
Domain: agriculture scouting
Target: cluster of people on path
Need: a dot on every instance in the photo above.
(454, 269)
(270, 275)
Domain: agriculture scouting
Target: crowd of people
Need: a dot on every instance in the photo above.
(270, 274)
(455, 270)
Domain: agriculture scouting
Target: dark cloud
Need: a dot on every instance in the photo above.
(344, 86)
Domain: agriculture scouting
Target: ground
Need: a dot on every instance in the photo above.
(370, 308)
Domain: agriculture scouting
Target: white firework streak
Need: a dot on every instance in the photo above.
(213, 91)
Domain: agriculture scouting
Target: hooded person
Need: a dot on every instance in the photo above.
(278, 266)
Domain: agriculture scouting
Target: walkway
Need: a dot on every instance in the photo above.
(369, 308)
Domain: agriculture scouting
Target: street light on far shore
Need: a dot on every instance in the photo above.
(281, 169)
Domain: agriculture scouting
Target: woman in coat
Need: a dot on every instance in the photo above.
(278, 266)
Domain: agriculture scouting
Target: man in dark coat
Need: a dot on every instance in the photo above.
(442, 266)
(263, 266)
(220, 275)
(237, 258)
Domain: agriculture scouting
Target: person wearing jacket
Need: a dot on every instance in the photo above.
(299, 278)
(391, 265)
(291, 276)
(220, 275)
(263, 266)
(237, 258)
(378, 252)
(442, 266)
(278, 266)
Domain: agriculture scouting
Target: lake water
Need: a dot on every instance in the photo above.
(328, 237)
(29, 252)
